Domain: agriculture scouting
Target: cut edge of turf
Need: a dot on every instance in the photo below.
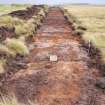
(96, 59)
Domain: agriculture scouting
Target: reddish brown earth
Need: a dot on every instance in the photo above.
(68, 81)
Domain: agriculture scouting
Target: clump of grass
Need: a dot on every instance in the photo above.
(25, 29)
(37, 19)
(14, 101)
(17, 21)
(45, 8)
(30, 27)
(20, 30)
(9, 101)
(41, 13)
(4, 49)
(6, 21)
(9, 21)
(17, 46)
(2, 64)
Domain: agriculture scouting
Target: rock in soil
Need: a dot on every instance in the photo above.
(53, 58)
(100, 83)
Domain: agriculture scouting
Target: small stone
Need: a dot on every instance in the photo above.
(53, 58)
(100, 83)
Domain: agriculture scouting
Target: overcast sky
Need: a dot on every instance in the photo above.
(52, 1)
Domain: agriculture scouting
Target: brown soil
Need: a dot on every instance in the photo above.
(6, 32)
(68, 81)
(28, 13)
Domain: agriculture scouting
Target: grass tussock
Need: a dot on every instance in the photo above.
(6, 21)
(37, 19)
(17, 46)
(45, 8)
(14, 101)
(2, 64)
(25, 29)
(9, 21)
(41, 13)
(8, 101)
(5, 50)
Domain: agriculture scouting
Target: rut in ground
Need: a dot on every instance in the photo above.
(68, 81)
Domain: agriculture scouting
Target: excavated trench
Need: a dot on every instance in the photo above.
(66, 81)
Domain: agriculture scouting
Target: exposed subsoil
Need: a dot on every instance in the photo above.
(69, 80)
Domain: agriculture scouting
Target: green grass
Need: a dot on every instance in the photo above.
(93, 18)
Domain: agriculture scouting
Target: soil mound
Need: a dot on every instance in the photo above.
(6, 32)
(26, 14)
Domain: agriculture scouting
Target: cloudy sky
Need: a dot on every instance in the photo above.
(52, 1)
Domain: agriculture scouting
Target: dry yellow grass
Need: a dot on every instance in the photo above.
(93, 18)
(13, 101)
(17, 46)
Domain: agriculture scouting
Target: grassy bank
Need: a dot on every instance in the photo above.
(15, 31)
(93, 18)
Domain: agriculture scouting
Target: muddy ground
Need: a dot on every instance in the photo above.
(67, 81)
